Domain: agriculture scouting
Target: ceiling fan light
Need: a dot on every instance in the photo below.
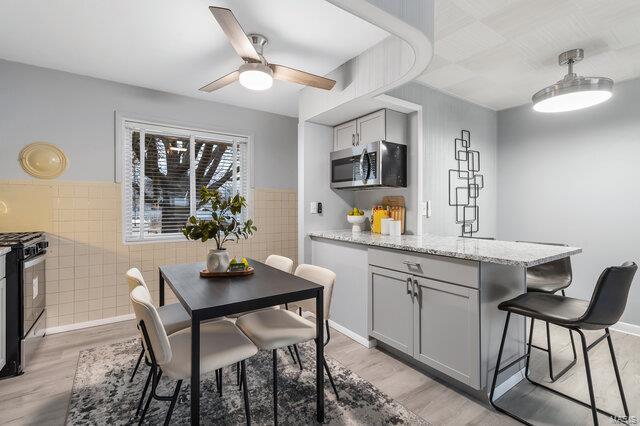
(256, 76)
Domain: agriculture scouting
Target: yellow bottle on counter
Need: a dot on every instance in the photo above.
(378, 214)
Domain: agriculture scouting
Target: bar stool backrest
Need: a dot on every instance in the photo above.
(609, 296)
(148, 314)
(280, 262)
(557, 271)
(318, 275)
(134, 279)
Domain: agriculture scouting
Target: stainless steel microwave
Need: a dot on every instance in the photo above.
(378, 164)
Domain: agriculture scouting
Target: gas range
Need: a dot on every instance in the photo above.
(25, 270)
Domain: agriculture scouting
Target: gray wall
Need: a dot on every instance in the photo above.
(77, 114)
(315, 144)
(443, 118)
(573, 177)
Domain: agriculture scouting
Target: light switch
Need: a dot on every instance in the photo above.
(313, 207)
(425, 209)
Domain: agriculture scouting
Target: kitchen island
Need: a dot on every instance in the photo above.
(432, 300)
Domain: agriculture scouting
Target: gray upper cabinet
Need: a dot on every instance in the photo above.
(446, 329)
(344, 135)
(391, 308)
(384, 124)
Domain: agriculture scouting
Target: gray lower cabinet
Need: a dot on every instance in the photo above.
(435, 322)
(447, 329)
(391, 308)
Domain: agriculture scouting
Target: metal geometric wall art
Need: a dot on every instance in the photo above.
(465, 184)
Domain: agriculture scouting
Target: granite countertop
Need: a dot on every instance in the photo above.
(4, 250)
(492, 251)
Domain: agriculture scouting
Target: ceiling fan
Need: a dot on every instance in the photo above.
(256, 73)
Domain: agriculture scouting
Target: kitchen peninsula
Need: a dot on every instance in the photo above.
(432, 300)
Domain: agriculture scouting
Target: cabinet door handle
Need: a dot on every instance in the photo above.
(417, 292)
(353, 140)
(409, 283)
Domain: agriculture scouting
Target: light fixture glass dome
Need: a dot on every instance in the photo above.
(572, 92)
(256, 76)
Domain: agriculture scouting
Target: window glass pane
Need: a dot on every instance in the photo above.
(134, 195)
(166, 186)
(213, 169)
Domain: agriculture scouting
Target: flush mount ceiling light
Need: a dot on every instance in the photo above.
(573, 91)
(256, 73)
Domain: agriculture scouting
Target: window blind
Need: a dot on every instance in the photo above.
(164, 171)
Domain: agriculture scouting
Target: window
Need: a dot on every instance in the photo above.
(164, 171)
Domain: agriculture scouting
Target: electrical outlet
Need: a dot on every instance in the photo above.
(429, 208)
(313, 207)
(425, 209)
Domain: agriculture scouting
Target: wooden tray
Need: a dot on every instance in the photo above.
(206, 274)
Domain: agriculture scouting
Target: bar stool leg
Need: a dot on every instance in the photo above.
(615, 369)
(497, 370)
(594, 411)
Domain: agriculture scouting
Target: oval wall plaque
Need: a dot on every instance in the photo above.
(43, 160)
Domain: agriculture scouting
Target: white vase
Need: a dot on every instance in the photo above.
(218, 260)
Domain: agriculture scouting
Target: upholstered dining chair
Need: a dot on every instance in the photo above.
(172, 316)
(222, 344)
(279, 328)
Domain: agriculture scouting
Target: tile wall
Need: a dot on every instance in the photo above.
(87, 259)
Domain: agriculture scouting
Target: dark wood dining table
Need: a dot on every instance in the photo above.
(206, 298)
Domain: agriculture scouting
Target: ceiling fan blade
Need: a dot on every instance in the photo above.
(281, 72)
(221, 82)
(236, 35)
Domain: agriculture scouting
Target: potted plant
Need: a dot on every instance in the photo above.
(222, 227)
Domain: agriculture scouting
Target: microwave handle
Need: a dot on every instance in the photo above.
(364, 172)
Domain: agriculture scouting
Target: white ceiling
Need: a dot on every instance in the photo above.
(497, 53)
(176, 46)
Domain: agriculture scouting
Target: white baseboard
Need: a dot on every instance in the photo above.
(505, 386)
(364, 341)
(627, 328)
(88, 324)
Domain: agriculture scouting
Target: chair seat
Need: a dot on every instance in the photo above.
(555, 309)
(174, 317)
(540, 285)
(221, 344)
(276, 328)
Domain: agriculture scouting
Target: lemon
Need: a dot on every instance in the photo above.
(245, 262)
(233, 261)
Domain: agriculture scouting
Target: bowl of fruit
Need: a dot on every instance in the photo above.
(356, 218)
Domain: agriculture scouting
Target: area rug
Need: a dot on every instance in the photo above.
(102, 393)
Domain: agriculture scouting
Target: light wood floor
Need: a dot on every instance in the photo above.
(41, 395)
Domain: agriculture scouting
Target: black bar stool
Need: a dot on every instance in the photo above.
(550, 278)
(605, 308)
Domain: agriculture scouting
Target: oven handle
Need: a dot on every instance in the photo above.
(35, 261)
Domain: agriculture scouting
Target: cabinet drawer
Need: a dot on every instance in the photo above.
(448, 269)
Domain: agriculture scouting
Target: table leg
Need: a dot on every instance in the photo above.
(161, 285)
(320, 356)
(195, 370)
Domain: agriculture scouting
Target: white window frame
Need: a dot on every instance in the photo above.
(192, 131)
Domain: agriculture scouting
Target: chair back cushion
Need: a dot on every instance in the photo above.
(609, 297)
(557, 271)
(280, 262)
(147, 313)
(134, 279)
(318, 275)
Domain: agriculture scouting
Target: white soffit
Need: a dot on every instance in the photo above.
(497, 53)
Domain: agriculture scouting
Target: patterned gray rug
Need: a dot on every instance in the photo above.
(103, 395)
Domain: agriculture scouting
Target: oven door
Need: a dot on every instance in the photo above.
(33, 291)
(355, 167)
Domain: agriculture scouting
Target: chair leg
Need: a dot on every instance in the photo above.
(291, 354)
(295, 348)
(173, 403)
(219, 381)
(594, 411)
(333, 385)
(615, 369)
(135, 370)
(275, 386)
(144, 391)
(245, 391)
(497, 370)
(238, 382)
(154, 384)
